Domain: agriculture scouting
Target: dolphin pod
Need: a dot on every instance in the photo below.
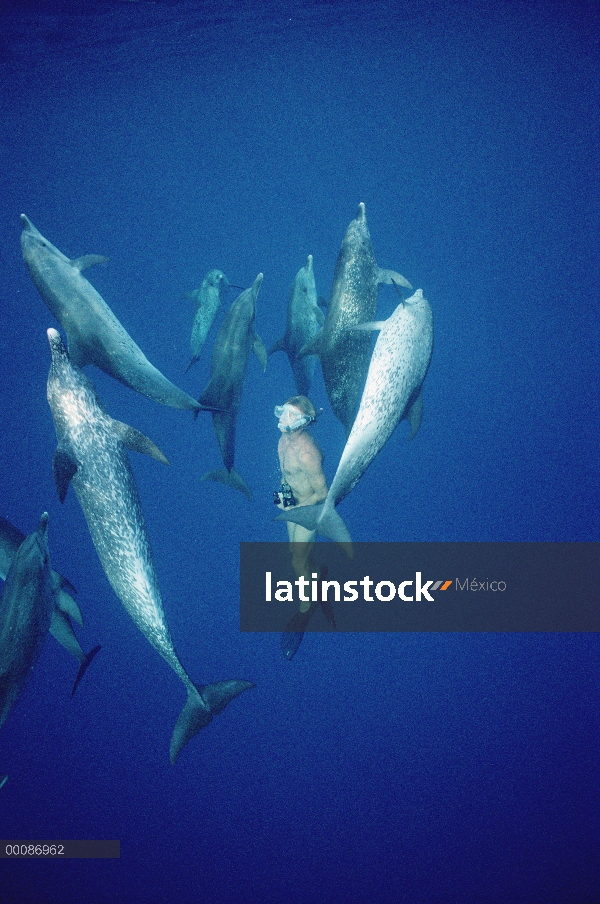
(392, 392)
(94, 334)
(304, 319)
(91, 455)
(26, 607)
(65, 609)
(236, 337)
(345, 354)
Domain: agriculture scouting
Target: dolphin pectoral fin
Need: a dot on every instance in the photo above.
(88, 260)
(203, 702)
(135, 441)
(67, 585)
(390, 276)
(210, 401)
(64, 467)
(3, 781)
(67, 605)
(258, 347)
(84, 665)
(313, 347)
(414, 414)
(368, 327)
(230, 479)
(278, 346)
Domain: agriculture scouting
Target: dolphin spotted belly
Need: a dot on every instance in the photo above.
(91, 454)
(392, 392)
(94, 334)
(26, 608)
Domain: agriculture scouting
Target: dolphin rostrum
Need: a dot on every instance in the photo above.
(65, 609)
(94, 334)
(208, 299)
(304, 319)
(26, 610)
(91, 454)
(345, 354)
(235, 339)
(392, 392)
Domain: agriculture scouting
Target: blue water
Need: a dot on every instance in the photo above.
(176, 137)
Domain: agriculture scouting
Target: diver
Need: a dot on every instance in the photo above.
(303, 483)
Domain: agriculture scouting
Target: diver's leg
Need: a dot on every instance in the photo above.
(301, 544)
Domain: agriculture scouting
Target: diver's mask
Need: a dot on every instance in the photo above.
(292, 419)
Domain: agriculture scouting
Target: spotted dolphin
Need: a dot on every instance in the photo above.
(345, 354)
(91, 454)
(94, 334)
(304, 320)
(26, 607)
(65, 609)
(236, 337)
(208, 299)
(392, 392)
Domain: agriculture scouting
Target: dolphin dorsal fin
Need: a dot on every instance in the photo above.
(88, 260)
(64, 468)
(135, 441)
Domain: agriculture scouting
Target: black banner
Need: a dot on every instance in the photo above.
(424, 587)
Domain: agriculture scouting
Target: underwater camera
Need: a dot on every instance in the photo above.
(287, 497)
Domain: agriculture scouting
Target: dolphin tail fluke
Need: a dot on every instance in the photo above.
(203, 702)
(230, 479)
(84, 665)
(305, 515)
(332, 526)
(324, 519)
